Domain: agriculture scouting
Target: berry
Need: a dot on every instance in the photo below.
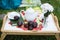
(10, 23)
(26, 25)
(30, 23)
(24, 28)
(20, 24)
(16, 17)
(23, 13)
(40, 26)
(30, 28)
(35, 29)
(35, 25)
(35, 20)
(42, 20)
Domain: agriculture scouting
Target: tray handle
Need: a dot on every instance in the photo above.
(56, 21)
(4, 20)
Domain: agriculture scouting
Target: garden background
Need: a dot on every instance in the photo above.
(56, 5)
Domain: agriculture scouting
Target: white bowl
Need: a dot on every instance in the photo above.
(12, 14)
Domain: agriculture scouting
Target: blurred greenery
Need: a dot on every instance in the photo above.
(0, 23)
(29, 37)
(56, 5)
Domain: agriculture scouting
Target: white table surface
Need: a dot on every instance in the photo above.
(50, 26)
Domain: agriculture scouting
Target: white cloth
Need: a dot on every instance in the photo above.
(50, 26)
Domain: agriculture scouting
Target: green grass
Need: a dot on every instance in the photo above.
(56, 5)
(29, 37)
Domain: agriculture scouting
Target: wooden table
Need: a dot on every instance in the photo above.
(19, 32)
